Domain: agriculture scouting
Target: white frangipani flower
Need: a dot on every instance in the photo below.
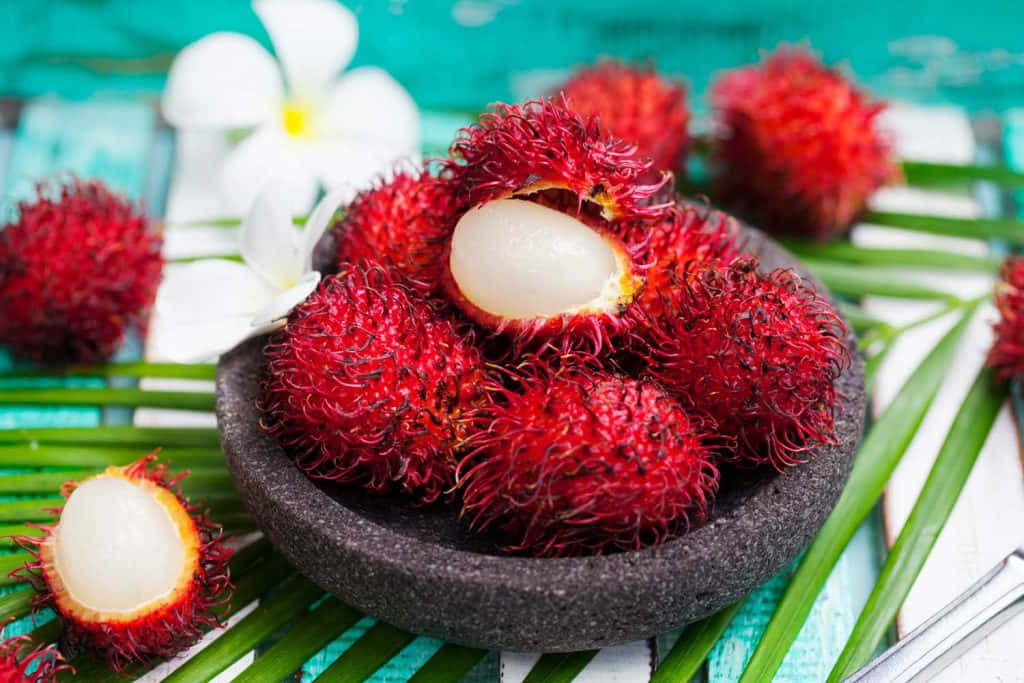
(311, 125)
(206, 307)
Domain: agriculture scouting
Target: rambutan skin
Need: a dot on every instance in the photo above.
(403, 222)
(798, 147)
(369, 383)
(1007, 353)
(77, 268)
(759, 352)
(541, 144)
(169, 628)
(685, 235)
(20, 662)
(635, 105)
(578, 461)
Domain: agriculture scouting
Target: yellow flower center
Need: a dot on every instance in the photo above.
(296, 119)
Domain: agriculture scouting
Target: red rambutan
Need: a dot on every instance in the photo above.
(798, 147)
(758, 352)
(1007, 352)
(686, 235)
(20, 662)
(541, 255)
(403, 222)
(369, 383)
(636, 105)
(132, 568)
(78, 267)
(577, 461)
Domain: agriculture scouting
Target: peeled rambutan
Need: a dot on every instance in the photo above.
(1007, 352)
(403, 222)
(579, 460)
(20, 662)
(542, 256)
(77, 268)
(368, 383)
(132, 568)
(759, 352)
(634, 104)
(537, 274)
(798, 148)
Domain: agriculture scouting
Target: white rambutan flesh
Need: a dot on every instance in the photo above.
(132, 568)
(117, 548)
(518, 260)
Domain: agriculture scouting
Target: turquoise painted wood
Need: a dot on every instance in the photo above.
(465, 53)
(827, 628)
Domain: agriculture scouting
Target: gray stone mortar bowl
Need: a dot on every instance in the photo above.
(419, 568)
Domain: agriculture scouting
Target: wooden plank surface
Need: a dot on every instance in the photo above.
(985, 523)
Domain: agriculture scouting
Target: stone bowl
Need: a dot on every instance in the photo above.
(419, 568)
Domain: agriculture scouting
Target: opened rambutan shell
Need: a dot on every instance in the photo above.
(541, 254)
(132, 568)
(1007, 352)
(369, 383)
(77, 268)
(20, 662)
(635, 105)
(403, 222)
(759, 352)
(798, 147)
(538, 145)
(578, 460)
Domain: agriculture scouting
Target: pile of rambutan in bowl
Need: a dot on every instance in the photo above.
(540, 402)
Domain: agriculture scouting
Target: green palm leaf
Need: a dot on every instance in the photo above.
(941, 490)
(879, 454)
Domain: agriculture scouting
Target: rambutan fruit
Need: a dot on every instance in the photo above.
(798, 146)
(759, 352)
(578, 460)
(1007, 353)
(132, 568)
(403, 222)
(20, 662)
(77, 268)
(540, 256)
(634, 104)
(686, 235)
(368, 383)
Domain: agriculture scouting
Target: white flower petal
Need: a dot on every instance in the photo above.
(313, 39)
(225, 80)
(269, 241)
(266, 156)
(211, 290)
(316, 224)
(367, 104)
(356, 164)
(283, 304)
(197, 341)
